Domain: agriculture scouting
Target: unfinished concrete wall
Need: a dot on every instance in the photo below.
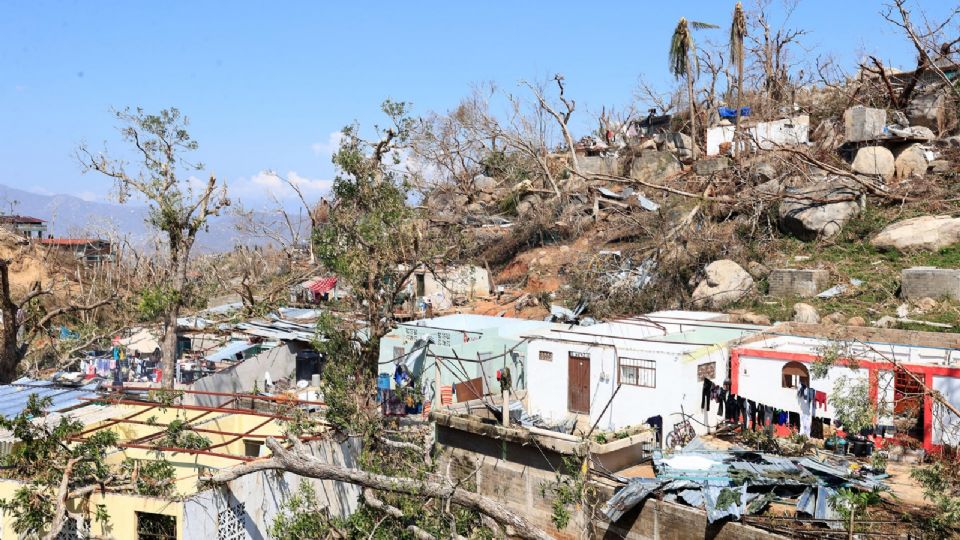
(920, 282)
(792, 282)
(246, 507)
(519, 486)
(516, 474)
(280, 362)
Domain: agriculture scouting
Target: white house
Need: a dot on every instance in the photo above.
(623, 372)
(768, 369)
(787, 131)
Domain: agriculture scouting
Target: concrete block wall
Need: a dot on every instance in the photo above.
(921, 281)
(791, 282)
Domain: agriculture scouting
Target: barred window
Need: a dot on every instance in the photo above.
(546, 356)
(398, 352)
(638, 372)
(443, 339)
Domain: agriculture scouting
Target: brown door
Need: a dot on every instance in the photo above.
(578, 383)
(469, 390)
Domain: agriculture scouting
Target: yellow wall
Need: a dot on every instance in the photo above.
(189, 466)
(122, 509)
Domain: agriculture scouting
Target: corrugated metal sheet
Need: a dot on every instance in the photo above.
(229, 351)
(14, 396)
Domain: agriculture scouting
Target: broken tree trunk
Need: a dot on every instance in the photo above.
(298, 461)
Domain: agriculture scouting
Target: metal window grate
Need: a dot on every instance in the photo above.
(546, 356)
(231, 523)
(636, 372)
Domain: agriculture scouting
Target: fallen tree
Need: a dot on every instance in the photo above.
(298, 461)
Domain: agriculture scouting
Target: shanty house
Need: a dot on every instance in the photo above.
(897, 364)
(625, 372)
(463, 351)
(314, 290)
(88, 250)
(446, 286)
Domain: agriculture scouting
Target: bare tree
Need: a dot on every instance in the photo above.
(179, 205)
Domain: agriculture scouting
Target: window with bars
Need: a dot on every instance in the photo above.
(398, 352)
(152, 526)
(636, 372)
(443, 339)
(546, 356)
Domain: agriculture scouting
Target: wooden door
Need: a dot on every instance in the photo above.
(578, 383)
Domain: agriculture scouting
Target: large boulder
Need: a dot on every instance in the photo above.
(651, 166)
(485, 184)
(874, 161)
(925, 232)
(805, 313)
(911, 161)
(724, 282)
(808, 214)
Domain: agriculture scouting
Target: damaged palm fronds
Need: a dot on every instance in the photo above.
(736, 483)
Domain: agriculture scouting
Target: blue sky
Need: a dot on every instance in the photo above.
(267, 85)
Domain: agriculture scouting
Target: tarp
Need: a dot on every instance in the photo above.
(322, 285)
(727, 112)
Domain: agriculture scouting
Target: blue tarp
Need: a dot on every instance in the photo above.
(727, 112)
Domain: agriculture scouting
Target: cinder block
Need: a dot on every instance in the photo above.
(792, 282)
(863, 123)
(923, 281)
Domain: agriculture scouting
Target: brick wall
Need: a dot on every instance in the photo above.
(935, 283)
(804, 283)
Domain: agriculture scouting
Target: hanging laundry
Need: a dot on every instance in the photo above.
(705, 394)
(401, 376)
(820, 398)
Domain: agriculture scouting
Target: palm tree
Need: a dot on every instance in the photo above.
(738, 31)
(683, 56)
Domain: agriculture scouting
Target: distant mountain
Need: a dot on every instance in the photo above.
(69, 216)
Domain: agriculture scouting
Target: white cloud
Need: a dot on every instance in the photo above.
(326, 149)
(88, 196)
(262, 189)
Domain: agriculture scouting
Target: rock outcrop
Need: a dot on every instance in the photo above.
(819, 210)
(925, 232)
(725, 282)
(910, 161)
(875, 161)
(652, 166)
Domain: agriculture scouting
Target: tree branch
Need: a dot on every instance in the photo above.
(299, 462)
